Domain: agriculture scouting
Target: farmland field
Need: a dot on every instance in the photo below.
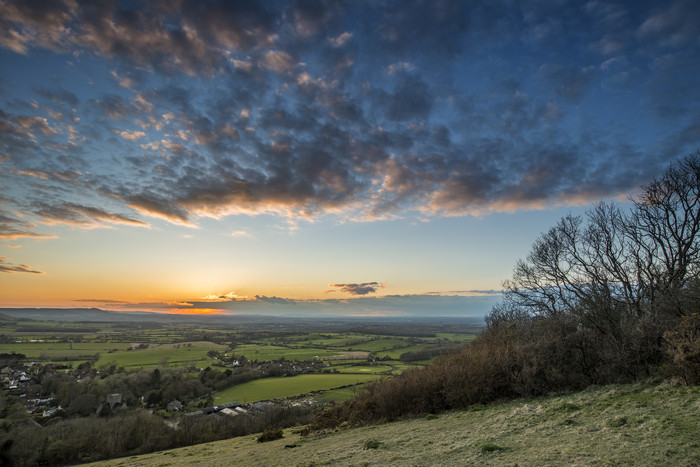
(396, 353)
(266, 352)
(365, 369)
(272, 388)
(191, 353)
(380, 344)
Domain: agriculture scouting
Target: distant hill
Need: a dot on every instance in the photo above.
(385, 325)
(71, 314)
(5, 318)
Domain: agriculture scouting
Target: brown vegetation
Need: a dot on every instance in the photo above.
(603, 299)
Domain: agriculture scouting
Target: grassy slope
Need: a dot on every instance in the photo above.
(622, 425)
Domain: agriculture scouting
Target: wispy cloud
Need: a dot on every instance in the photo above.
(83, 216)
(240, 234)
(13, 268)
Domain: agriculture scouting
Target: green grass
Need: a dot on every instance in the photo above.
(61, 350)
(273, 388)
(364, 369)
(155, 354)
(332, 339)
(662, 428)
(273, 352)
(396, 353)
(377, 345)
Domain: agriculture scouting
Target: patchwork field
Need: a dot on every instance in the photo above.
(349, 358)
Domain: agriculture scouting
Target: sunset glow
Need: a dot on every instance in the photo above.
(321, 158)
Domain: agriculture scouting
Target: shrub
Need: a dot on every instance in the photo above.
(490, 447)
(684, 349)
(270, 434)
(372, 443)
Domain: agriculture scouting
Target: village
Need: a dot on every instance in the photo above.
(26, 383)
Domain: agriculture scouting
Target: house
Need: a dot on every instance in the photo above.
(174, 406)
(114, 399)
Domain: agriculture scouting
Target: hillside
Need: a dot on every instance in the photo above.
(640, 424)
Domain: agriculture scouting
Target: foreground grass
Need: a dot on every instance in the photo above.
(641, 424)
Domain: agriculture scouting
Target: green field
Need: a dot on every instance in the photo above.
(363, 369)
(267, 352)
(396, 353)
(61, 350)
(191, 353)
(273, 388)
(380, 344)
(332, 339)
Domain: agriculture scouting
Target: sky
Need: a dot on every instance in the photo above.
(335, 158)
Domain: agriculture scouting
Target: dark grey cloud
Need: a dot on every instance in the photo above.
(275, 300)
(13, 228)
(671, 25)
(569, 82)
(150, 204)
(83, 216)
(363, 288)
(409, 100)
(57, 95)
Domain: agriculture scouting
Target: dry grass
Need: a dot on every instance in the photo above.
(641, 424)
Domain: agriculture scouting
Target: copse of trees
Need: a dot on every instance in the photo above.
(611, 296)
(623, 277)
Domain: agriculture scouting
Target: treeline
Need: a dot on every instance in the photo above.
(152, 388)
(23, 442)
(428, 353)
(612, 296)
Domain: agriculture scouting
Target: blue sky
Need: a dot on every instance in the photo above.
(325, 157)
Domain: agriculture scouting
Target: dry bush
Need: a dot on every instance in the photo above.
(684, 349)
(270, 434)
(527, 357)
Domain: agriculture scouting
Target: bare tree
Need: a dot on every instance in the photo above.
(622, 274)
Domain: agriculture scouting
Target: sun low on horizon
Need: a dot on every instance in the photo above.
(321, 158)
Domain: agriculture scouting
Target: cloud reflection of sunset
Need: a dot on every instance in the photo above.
(193, 311)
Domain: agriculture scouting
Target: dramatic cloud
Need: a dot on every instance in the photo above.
(186, 110)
